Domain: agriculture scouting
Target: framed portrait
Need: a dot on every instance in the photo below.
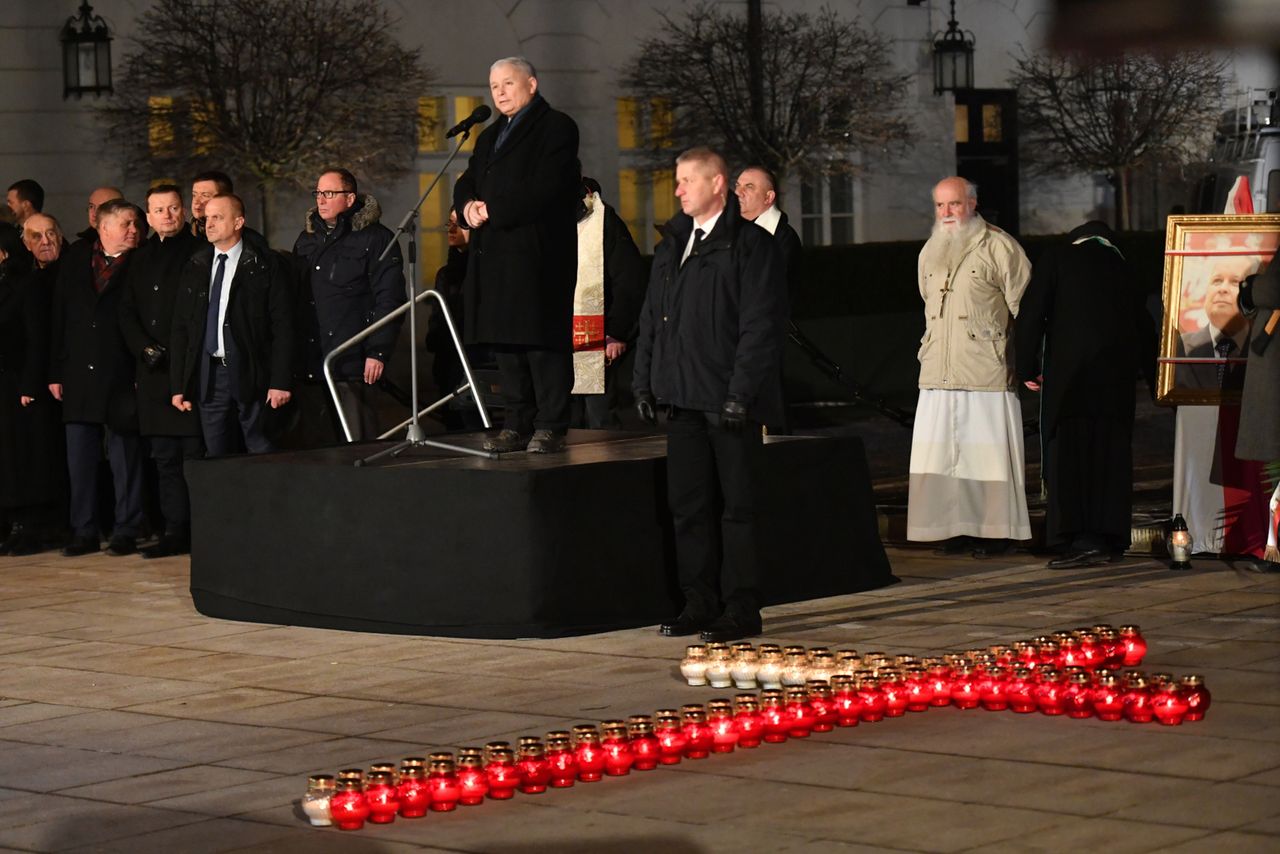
(1204, 338)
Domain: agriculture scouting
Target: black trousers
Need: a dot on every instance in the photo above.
(219, 408)
(124, 453)
(535, 388)
(714, 473)
(169, 454)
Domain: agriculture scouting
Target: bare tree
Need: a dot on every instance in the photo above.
(820, 90)
(1119, 114)
(267, 90)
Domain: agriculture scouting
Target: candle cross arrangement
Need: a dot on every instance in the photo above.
(1079, 674)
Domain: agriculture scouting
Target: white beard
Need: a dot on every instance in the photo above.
(946, 246)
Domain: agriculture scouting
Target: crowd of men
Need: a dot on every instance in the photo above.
(201, 340)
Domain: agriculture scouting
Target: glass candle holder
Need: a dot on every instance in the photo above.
(1091, 654)
(872, 700)
(1048, 653)
(940, 685)
(442, 782)
(798, 712)
(671, 738)
(743, 668)
(822, 701)
(693, 667)
(795, 669)
(494, 746)
(381, 795)
(1168, 704)
(504, 777)
(1137, 701)
(747, 720)
(964, 689)
(356, 774)
(1025, 654)
(587, 750)
(718, 666)
(315, 803)
(1135, 646)
(1021, 691)
(388, 768)
(562, 762)
(1049, 691)
(847, 661)
(993, 689)
(1069, 653)
(1112, 649)
(348, 807)
(1196, 695)
(822, 665)
(769, 669)
(533, 768)
(1077, 696)
(844, 691)
(644, 747)
(698, 736)
(618, 757)
(1107, 698)
(773, 715)
(473, 783)
(1003, 654)
(415, 797)
(894, 692)
(724, 732)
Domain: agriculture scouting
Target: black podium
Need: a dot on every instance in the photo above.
(527, 546)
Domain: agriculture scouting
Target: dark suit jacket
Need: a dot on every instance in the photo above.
(1200, 344)
(259, 320)
(523, 262)
(87, 352)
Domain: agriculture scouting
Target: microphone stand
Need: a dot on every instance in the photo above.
(414, 435)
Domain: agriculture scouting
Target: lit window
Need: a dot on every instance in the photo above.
(628, 124)
(160, 125)
(992, 123)
(463, 106)
(433, 226)
(826, 210)
(962, 122)
(431, 120)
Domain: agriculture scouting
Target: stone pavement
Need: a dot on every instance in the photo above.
(128, 722)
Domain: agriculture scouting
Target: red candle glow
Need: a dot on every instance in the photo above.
(1168, 705)
(993, 690)
(964, 689)
(747, 720)
(1107, 699)
(1135, 645)
(872, 700)
(413, 793)
(473, 784)
(798, 713)
(776, 723)
(348, 807)
(1077, 696)
(1021, 691)
(503, 775)
(724, 732)
(1049, 692)
(895, 694)
(671, 738)
(1137, 701)
(561, 759)
(848, 703)
(919, 692)
(1196, 695)
(699, 738)
(822, 702)
(940, 685)
(618, 757)
(533, 768)
(644, 746)
(586, 747)
(383, 800)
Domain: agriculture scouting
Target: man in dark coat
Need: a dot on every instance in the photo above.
(146, 319)
(1091, 361)
(710, 332)
(348, 288)
(1260, 404)
(520, 197)
(91, 372)
(757, 192)
(232, 343)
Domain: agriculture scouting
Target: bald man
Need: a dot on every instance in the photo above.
(967, 479)
(99, 197)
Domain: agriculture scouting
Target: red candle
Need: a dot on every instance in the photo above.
(1196, 695)
(1048, 653)
(964, 689)
(776, 723)
(1021, 691)
(993, 690)
(895, 694)
(383, 800)
(442, 783)
(872, 700)
(1091, 651)
(798, 713)
(698, 736)
(1112, 648)
(822, 702)
(1049, 692)
(671, 738)
(940, 685)
(644, 746)
(473, 783)
(1137, 701)
(1168, 705)
(848, 703)
(724, 732)
(1107, 699)
(747, 720)
(533, 768)
(348, 807)
(586, 747)
(504, 777)
(919, 692)
(1025, 655)
(1070, 654)
(1135, 645)
(618, 757)
(413, 793)
(562, 760)
(1077, 696)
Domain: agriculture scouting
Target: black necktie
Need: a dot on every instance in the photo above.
(698, 234)
(1223, 348)
(215, 302)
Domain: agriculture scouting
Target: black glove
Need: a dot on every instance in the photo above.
(646, 407)
(153, 355)
(733, 415)
(1245, 298)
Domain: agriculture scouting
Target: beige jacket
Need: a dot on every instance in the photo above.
(969, 312)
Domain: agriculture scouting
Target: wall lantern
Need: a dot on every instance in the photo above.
(952, 57)
(86, 55)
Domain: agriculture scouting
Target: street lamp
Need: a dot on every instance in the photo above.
(952, 57)
(86, 54)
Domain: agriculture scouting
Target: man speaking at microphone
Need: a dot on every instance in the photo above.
(519, 197)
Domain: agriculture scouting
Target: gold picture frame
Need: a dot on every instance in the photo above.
(1205, 258)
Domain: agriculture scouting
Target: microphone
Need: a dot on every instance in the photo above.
(478, 115)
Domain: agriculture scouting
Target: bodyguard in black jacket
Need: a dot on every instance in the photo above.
(710, 333)
(250, 365)
(146, 320)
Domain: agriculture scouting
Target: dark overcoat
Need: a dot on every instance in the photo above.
(259, 320)
(88, 355)
(1260, 414)
(523, 263)
(146, 318)
(32, 455)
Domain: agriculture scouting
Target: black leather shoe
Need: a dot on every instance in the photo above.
(121, 546)
(23, 544)
(992, 548)
(81, 546)
(731, 627)
(1077, 559)
(955, 546)
(506, 441)
(546, 442)
(682, 626)
(167, 547)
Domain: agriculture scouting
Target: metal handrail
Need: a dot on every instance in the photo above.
(378, 324)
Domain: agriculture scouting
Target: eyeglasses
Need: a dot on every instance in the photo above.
(329, 194)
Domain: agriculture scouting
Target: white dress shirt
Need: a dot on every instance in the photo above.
(706, 230)
(769, 219)
(233, 260)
